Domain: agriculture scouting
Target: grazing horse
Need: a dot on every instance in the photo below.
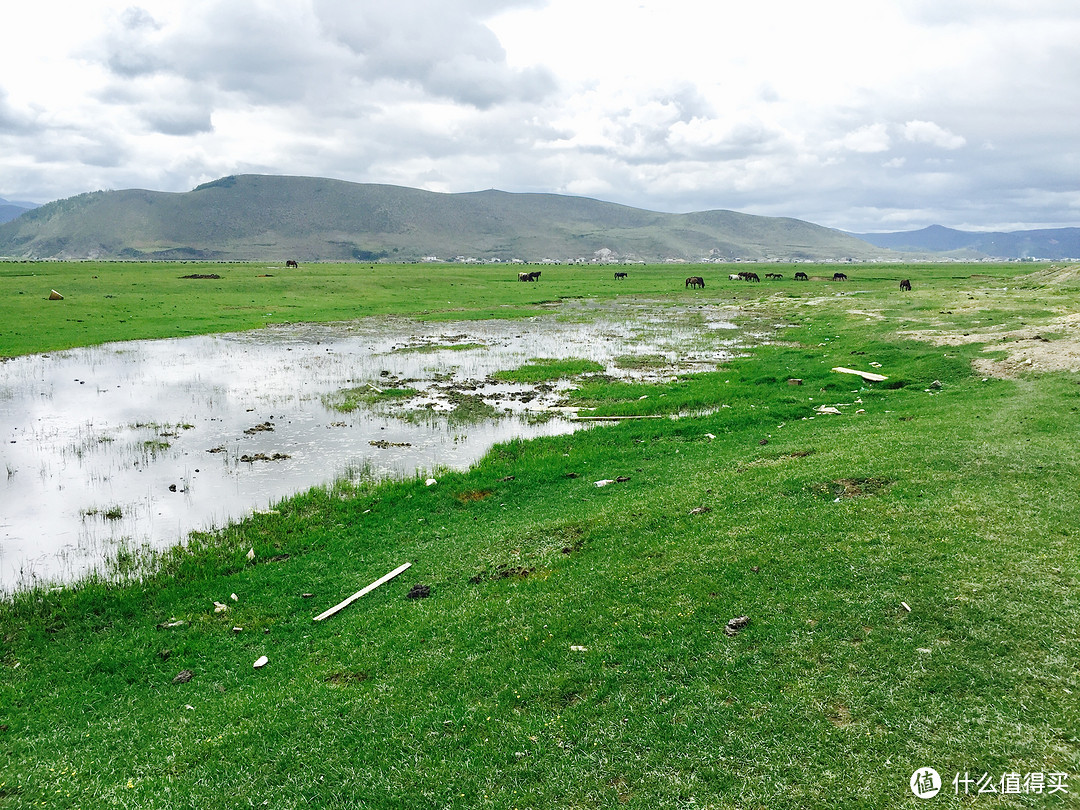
(801, 276)
(291, 263)
(751, 277)
(735, 277)
(905, 285)
(534, 275)
(695, 281)
(620, 275)
(839, 277)
(524, 277)
(774, 275)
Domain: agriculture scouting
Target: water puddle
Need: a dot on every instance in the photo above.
(133, 445)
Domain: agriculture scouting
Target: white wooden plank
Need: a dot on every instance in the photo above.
(342, 605)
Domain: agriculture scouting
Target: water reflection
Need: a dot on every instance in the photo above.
(136, 444)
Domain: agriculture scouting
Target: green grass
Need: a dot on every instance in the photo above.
(547, 370)
(958, 502)
(348, 400)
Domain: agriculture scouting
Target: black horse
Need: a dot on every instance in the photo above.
(801, 276)
(620, 275)
(291, 263)
(695, 281)
(839, 277)
(905, 285)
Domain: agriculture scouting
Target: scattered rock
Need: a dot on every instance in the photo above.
(794, 381)
(251, 554)
(570, 475)
(621, 479)
(578, 648)
(172, 623)
(734, 626)
(430, 482)
(202, 276)
(261, 662)
(183, 676)
(507, 478)
(700, 510)
(251, 431)
(382, 444)
(55, 296)
(220, 607)
(603, 482)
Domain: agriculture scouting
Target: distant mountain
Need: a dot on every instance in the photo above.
(9, 209)
(310, 219)
(1052, 243)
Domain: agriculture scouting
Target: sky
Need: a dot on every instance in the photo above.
(863, 115)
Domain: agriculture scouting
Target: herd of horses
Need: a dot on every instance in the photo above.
(697, 282)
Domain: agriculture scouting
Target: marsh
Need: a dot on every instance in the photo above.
(132, 445)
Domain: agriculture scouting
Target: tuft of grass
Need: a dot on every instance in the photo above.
(348, 400)
(546, 370)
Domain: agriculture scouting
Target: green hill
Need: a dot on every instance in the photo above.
(312, 219)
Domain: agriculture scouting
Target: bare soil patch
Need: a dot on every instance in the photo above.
(1053, 345)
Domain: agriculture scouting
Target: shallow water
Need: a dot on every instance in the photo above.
(134, 445)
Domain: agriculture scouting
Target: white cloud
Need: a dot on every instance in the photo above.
(842, 112)
(870, 138)
(930, 133)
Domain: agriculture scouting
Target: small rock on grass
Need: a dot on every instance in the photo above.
(733, 626)
(261, 662)
(183, 676)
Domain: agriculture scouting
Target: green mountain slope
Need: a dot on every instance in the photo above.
(314, 219)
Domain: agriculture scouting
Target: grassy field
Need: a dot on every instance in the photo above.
(908, 569)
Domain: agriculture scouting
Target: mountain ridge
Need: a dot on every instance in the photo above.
(1039, 243)
(320, 219)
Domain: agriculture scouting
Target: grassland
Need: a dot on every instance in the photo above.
(909, 569)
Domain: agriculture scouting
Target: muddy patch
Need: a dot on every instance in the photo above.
(843, 488)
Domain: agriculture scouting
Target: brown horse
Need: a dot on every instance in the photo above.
(695, 281)
(291, 263)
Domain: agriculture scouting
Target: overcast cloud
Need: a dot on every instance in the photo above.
(856, 114)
